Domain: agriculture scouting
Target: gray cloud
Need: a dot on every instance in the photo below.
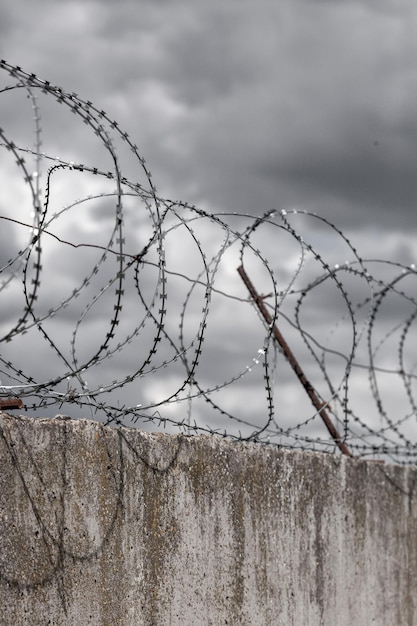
(300, 103)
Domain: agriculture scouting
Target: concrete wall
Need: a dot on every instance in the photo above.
(120, 527)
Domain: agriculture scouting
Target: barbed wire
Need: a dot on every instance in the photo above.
(129, 308)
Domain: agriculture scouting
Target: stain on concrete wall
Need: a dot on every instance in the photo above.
(104, 527)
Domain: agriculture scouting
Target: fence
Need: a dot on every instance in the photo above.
(129, 308)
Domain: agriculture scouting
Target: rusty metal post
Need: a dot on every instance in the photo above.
(11, 403)
(318, 404)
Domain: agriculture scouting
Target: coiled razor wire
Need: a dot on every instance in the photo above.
(121, 305)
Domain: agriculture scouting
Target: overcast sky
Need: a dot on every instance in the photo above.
(246, 105)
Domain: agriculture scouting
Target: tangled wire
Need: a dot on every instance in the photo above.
(124, 306)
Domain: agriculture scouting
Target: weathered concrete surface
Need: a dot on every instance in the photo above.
(120, 527)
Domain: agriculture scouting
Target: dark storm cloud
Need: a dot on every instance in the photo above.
(302, 104)
(327, 121)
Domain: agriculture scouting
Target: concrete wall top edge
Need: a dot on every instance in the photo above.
(214, 441)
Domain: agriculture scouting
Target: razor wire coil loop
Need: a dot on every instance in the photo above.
(168, 333)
